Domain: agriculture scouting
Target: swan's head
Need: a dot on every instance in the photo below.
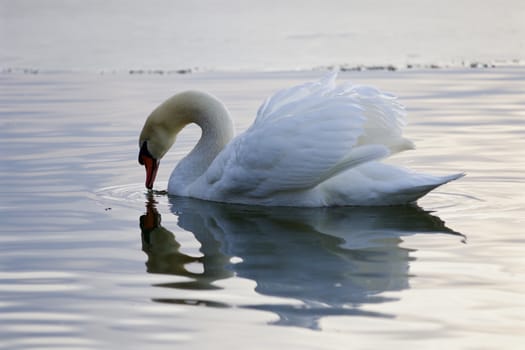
(168, 119)
(159, 133)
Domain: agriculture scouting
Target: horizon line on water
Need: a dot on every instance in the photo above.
(511, 63)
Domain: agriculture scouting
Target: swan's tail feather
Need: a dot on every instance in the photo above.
(452, 177)
(417, 192)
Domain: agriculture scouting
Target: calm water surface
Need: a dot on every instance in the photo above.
(89, 260)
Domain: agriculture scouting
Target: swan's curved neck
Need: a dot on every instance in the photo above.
(168, 119)
(217, 130)
(214, 137)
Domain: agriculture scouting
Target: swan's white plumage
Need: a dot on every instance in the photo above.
(317, 144)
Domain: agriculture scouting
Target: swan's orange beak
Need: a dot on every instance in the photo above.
(150, 163)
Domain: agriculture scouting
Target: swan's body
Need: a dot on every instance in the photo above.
(312, 145)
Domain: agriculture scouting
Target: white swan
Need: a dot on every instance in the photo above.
(312, 145)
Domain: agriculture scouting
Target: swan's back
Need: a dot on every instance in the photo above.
(316, 144)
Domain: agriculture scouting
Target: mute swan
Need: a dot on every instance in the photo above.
(312, 145)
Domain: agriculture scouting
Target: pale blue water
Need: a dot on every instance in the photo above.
(82, 267)
(89, 260)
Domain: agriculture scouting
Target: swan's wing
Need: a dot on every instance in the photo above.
(384, 116)
(304, 135)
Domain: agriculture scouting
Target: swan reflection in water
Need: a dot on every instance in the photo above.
(331, 260)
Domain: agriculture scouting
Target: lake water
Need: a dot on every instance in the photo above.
(89, 260)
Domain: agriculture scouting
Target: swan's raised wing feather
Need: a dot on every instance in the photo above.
(385, 118)
(285, 102)
(304, 135)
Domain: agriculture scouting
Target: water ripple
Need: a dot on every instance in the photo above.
(127, 195)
